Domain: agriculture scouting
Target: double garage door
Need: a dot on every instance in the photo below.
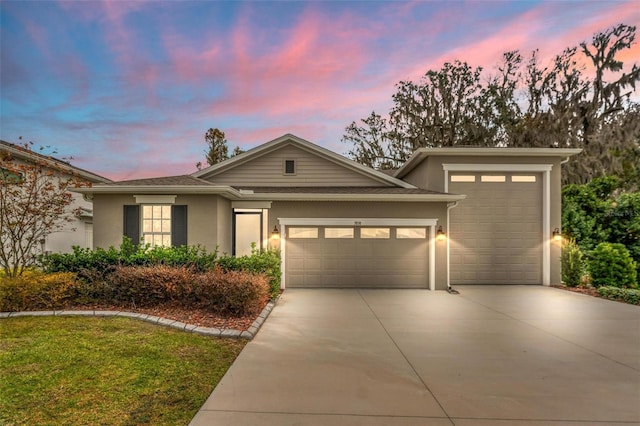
(496, 232)
(381, 256)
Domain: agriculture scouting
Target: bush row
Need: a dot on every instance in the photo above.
(129, 254)
(232, 293)
(628, 295)
(608, 265)
(97, 265)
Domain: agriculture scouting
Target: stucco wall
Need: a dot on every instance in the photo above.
(208, 220)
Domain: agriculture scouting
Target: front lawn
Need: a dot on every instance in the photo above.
(116, 371)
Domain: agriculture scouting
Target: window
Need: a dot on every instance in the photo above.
(463, 178)
(10, 176)
(376, 233)
(338, 232)
(289, 167)
(411, 233)
(156, 225)
(522, 178)
(303, 232)
(493, 178)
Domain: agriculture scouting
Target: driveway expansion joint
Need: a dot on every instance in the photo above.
(165, 322)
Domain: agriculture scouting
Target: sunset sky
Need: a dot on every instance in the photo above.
(128, 88)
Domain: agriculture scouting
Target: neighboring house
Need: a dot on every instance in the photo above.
(76, 233)
(448, 216)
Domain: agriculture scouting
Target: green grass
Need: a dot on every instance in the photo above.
(115, 371)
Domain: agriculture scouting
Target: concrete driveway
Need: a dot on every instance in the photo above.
(489, 356)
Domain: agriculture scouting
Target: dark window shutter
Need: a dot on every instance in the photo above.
(132, 223)
(178, 226)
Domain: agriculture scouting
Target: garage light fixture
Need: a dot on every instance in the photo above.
(440, 235)
(275, 234)
(557, 235)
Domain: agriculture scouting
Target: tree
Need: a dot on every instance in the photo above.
(217, 151)
(217, 143)
(34, 202)
(522, 104)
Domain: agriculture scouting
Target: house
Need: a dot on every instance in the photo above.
(78, 232)
(448, 216)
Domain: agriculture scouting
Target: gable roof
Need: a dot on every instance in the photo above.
(422, 153)
(28, 155)
(289, 139)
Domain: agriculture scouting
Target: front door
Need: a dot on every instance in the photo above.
(247, 231)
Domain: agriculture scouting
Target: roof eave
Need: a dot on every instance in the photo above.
(227, 191)
(354, 197)
(54, 162)
(421, 153)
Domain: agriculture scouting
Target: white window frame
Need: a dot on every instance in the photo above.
(152, 220)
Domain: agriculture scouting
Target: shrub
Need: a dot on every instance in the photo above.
(226, 292)
(628, 295)
(82, 260)
(611, 265)
(623, 221)
(265, 262)
(36, 290)
(232, 292)
(572, 261)
(149, 285)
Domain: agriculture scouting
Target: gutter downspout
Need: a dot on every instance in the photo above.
(449, 288)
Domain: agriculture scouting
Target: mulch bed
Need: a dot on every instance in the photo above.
(199, 317)
(588, 291)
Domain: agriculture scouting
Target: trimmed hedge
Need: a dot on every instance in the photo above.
(83, 259)
(265, 262)
(226, 292)
(628, 295)
(37, 291)
(233, 293)
(96, 266)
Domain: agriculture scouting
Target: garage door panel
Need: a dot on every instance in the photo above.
(496, 232)
(356, 262)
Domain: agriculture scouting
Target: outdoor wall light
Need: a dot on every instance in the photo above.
(440, 235)
(275, 234)
(557, 235)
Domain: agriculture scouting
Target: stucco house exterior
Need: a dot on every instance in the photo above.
(78, 232)
(447, 216)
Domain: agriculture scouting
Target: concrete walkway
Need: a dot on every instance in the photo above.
(489, 356)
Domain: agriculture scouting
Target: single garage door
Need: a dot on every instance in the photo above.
(496, 232)
(380, 257)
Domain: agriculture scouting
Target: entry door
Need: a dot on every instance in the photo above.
(247, 230)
